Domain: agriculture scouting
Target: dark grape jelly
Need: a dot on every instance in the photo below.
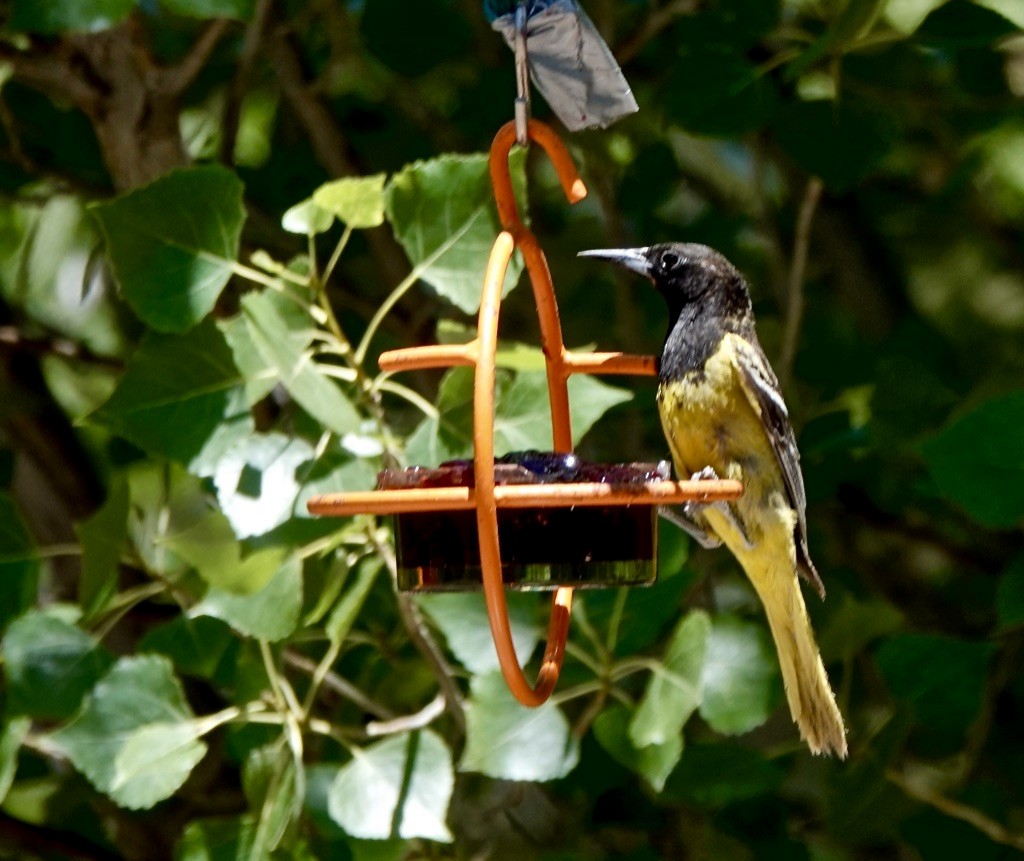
(541, 548)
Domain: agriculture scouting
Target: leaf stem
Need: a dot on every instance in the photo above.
(336, 254)
(273, 677)
(255, 275)
(615, 621)
(371, 329)
(124, 603)
(413, 397)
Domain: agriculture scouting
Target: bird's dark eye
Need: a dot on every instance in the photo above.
(669, 260)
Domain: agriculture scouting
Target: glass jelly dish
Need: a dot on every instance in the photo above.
(542, 547)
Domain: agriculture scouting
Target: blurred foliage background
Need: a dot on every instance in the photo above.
(216, 213)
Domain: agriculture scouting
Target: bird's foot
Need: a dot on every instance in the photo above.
(706, 474)
(691, 509)
(684, 521)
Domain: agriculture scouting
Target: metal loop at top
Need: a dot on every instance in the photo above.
(522, 103)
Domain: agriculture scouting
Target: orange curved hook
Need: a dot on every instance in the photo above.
(501, 177)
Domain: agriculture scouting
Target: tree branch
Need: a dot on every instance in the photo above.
(240, 82)
(414, 624)
(993, 830)
(14, 340)
(795, 287)
(177, 79)
(329, 145)
(50, 72)
(406, 723)
(342, 687)
(653, 24)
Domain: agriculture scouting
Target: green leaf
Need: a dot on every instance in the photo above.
(356, 201)
(462, 619)
(18, 566)
(856, 624)
(196, 646)
(1011, 10)
(270, 614)
(237, 575)
(841, 142)
(654, 762)
(739, 677)
(1010, 595)
(175, 394)
(522, 414)
(734, 96)
(256, 482)
(942, 677)
(273, 792)
(977, 461)
(286, 349)
(240, 10)
(345, 612)
(208, 543)
(720, 774)
(102, 537)
(153, 762)
(509, 741)
(963, 24)
(50, 665)
(443, 214)
(907, 15)
(307, 219)
(854, 19)
(259, 375)
(15, 731)
(52, 17)
(172, 244)
(217, 840)
(401, 785)
(674, 690)
(135, 737)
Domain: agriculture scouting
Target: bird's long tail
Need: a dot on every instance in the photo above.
(810, 697)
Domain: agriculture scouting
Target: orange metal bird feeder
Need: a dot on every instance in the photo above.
(485, 497)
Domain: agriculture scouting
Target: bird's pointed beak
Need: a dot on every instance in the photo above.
(633, 259)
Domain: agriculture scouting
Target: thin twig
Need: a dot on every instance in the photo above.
(657, 21)
(12, 338)
(406, 723)
(342, 687)
(971, 815)
(420, 636)
(179, 78)
(798, 267)
(330, 146)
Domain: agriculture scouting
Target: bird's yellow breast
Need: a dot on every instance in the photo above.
(709, 421)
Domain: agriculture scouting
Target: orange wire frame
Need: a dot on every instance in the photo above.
(480, 353)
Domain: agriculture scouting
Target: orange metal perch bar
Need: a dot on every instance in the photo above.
(523, 496)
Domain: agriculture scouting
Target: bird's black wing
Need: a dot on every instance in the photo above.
(762, 389)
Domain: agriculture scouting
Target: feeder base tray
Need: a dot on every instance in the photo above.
(541, 548)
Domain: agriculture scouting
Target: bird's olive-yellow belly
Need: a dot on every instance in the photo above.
(709, 421)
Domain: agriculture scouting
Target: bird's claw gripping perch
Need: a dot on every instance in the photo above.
(692, 510)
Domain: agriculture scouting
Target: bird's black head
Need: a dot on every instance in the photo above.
(685, 274)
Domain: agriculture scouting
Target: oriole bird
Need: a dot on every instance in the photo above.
(723, 415)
